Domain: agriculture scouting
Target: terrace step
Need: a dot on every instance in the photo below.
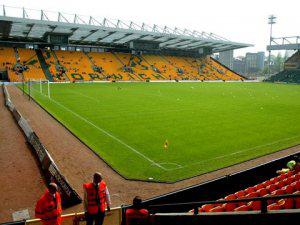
(43, 64)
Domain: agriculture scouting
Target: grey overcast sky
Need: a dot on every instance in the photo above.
(237, 20)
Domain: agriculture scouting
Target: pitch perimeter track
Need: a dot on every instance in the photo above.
(20, 177)
(78, 163)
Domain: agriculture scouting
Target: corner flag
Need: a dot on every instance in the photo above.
(166, 144)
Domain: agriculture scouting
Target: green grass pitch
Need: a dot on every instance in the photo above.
(207, 125)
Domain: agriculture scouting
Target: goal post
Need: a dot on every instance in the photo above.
(39, 86)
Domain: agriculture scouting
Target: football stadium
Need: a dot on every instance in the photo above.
(152, 112)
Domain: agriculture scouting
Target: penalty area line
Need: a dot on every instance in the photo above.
(106, 133)
(234, 153)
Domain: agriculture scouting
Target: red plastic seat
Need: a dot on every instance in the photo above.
(280, 184)
(231, 197)
(255, 205)
(274, 180)
(278, 192)
(229, 207)
(274, 206)
(289, 189)
(243, 208)
(250, 190)
(283, 176)
(263, 192)
(286, 203)
(290, 180)
(240, 194)
(207, 207)
(252, 195)
(219, 204)
(217, 209)
(297, 200)
(259, 186)
(267, 183)
(297, 203)
(272, 188)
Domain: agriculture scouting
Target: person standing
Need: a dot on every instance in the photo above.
(48, 208)
(96, 197)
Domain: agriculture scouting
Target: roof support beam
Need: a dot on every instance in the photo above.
(32, 25)
(91, 32)
(44, 16)
(202, 45)
(173, 41)
(4, 12)
(179, 44)
(193, 44)
(230, 47)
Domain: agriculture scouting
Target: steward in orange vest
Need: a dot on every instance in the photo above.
(48, 207)
(96, 198)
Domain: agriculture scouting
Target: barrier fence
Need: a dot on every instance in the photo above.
(195, 205)
(49, 168)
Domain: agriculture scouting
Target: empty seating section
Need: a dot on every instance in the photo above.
(162, 66)
(112, 67)
(53, 66)
(141, 68)
(29, 60)
(200, 65)
(7, 62)
(205, 69)
(222, 71)
(7, 58)
(288, 183)
(184, 69)
(77, 65)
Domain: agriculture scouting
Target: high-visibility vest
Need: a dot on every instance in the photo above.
(93, 207)
(49, 209)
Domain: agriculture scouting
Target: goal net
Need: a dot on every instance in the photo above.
(37, 87)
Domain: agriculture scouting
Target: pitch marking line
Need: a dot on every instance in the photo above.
(234, 153)
(177, 166)
(140, 112)
(106, 133)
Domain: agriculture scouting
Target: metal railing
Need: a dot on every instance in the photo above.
(48, 15)
(113, 217)
(196, 205)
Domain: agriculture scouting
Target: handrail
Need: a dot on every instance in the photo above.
(195, 205)
(67, 215)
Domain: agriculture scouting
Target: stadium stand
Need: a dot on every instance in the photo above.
(291, 72)
(7, 62)
(61, 65)
(161, 66)
(289, 76)
(76, 64)
(110, 65)
(30, 63)
(287, 183)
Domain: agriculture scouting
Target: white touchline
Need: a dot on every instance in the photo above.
(107, 133)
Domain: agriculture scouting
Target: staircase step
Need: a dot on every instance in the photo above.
(44, 65)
